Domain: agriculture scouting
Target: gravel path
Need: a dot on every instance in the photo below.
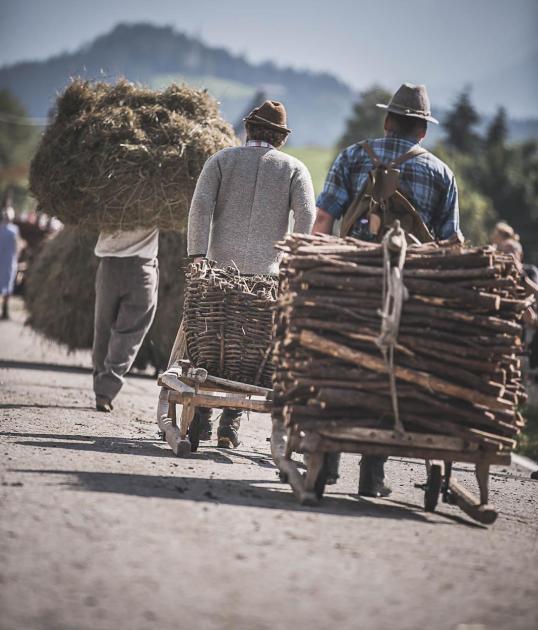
(101, 527)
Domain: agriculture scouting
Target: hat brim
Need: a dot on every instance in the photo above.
(402, 112)
(263, 122)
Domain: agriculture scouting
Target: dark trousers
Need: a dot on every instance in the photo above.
(372, 471)
(125, 303)
(230, 418)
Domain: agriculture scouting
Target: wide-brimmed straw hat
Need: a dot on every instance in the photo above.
(411, 100)
(271, 114)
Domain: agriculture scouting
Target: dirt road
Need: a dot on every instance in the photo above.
(101, 527)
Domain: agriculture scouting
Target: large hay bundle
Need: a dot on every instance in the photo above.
(122, 156)
(60, 294)
(60, 291)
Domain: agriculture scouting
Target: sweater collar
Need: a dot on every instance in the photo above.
(259, 143)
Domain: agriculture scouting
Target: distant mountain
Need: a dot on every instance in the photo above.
(514, 86)
(317, 103)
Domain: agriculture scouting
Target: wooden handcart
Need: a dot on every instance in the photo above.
(439, 452)
(192, 387)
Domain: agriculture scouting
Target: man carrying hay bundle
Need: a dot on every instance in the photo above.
(122, 160)
(241, 208)
(414, 186)
(125, 302)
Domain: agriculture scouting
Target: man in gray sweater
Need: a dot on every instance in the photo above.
(242, 206)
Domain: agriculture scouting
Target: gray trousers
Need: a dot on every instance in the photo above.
(125, 303)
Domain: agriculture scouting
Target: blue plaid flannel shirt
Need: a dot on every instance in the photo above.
(425, 181)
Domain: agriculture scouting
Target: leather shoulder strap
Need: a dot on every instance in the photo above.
(420, 230)
(371, 153)
(414, 152)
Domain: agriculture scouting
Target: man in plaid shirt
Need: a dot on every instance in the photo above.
(426, 182)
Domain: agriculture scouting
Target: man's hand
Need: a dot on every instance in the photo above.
(198, 259)
(323, 223)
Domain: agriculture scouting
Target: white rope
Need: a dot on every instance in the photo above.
(394, 295)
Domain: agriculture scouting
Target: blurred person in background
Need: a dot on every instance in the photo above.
(506, 240)
(9, 246)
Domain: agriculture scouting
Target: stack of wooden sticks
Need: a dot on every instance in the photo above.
(457, 358)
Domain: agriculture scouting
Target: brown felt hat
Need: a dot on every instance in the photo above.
(411, 100)
(271, 114)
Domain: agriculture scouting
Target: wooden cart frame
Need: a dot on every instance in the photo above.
(439, 453)
(184, 384)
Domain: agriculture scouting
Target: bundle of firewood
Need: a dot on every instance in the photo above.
(456, 357)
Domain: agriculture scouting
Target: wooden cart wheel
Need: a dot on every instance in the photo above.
(195, 430)
(433, 487)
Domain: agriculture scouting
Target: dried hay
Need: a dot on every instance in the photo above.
(123, 156)
(60, 294)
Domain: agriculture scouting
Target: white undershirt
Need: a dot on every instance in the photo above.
(143, 243)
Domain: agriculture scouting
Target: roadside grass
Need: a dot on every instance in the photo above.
(317, 159)
(528, 442)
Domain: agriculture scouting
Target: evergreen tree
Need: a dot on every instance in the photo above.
(509, 177)
(18, 138)
(459, 125)
(366, 119)
(497, 132)
(477, 214)
(15, 129)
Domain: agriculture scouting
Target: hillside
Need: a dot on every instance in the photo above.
(317, 103)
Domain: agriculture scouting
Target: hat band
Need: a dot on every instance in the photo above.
(407, 110)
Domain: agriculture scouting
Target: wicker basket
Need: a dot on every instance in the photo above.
(227, 320)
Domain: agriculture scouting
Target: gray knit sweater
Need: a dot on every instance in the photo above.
(242, 203)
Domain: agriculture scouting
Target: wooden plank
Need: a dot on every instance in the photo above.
(388, 438)
(214, 383)
(466, 501)
(310, 443)
(287, 466)
(236, 386)
(233, 401)
(179, 349)
(181, 446)
(174, 383)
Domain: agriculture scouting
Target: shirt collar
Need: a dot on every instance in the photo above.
(259, 143)
(395, 136)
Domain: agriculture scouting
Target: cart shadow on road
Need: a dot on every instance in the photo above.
(132, 446)
(149, 447)
(60, 367)
(42, 406)
(239, 492)
(259, 493)
(221, 457)
(460, 520)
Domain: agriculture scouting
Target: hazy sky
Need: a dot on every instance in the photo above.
(431, 41)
